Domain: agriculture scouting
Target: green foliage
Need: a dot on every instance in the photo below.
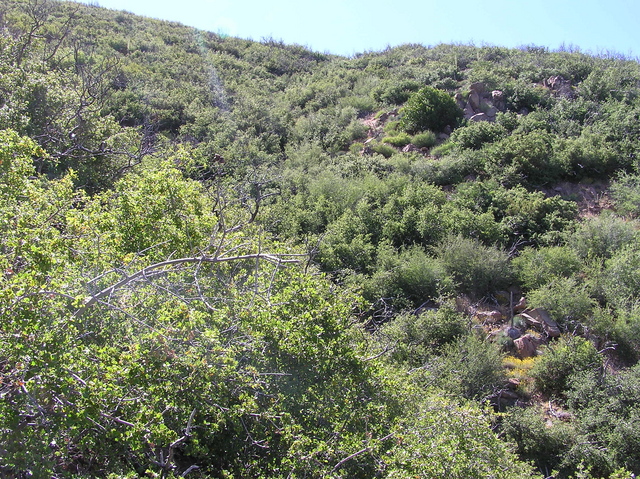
(398, 140)
(544, 446)
(410, 275)
(621, 276)
(606, 406)
(414, 339)
(536, 267)
(430, 109)
(156, 179)
(477, 269)
(563, 359)
(625, 192)
(385, 150)
(476, 134)
(568, 301)
(602, 236)
(524, 158)
(469, 367)
(425, 139)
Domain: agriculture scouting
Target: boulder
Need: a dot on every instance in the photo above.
(559, 86)
(549, 326)
(520, 306)
(474, 100)
(468, 111)
(459, 100)
(513, 333)
(526, 346)
(493, 316)
(477, 87)
(498, 100)
(540, 319)
(410, 148)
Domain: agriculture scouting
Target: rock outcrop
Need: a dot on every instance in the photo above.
(480, 104)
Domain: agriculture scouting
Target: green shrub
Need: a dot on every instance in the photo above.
(621, 277)
(385, 150)
(399, 140)
(476, 134)
(607, 410)
(567, 301)
(415, 338)
(430, 109)
(469, 367)
(535, 441)
(443, 149)
(426, 139)
(602, 236)
(409, 277)
(524, 158)
(395, 92)
(537, 267)
(625, 191)
(562, 359)
(477, 269)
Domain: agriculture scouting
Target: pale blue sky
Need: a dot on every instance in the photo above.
(347, 27)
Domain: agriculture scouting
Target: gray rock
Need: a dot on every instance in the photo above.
(474, 100)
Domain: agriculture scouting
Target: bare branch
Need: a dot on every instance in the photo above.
(143, 273)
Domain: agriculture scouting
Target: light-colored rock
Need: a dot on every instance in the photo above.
(410, 148)
(526, 346)
(468, 111)
(493, 316)
(549, 326)
(459, 100)
(520, 306)
(498, 100)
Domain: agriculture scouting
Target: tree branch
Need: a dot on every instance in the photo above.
(275, 259)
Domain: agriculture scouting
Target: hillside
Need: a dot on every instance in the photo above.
(228, 258)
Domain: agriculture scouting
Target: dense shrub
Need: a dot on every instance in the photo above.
(415, 338)
(568, 301)
(602, 236)
(625, 192)
(607, 407)
(535, 441)
(410, 275)
(430, 109)
(399, 140)
(621, 277)
(476, 134)
(470, 367)
(561, 360)
(425, 139)
(477, 269)
(537, 267)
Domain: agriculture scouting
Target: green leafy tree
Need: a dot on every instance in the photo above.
(430, 109)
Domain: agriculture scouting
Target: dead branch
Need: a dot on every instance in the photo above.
(167, 265)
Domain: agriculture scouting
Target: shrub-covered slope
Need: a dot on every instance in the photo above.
(228, 258)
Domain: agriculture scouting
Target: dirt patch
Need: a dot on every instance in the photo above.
(591, 198)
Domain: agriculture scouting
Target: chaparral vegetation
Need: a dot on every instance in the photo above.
(229, 258)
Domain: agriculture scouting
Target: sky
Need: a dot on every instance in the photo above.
(348, 27)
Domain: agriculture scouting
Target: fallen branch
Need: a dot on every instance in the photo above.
(275, 259)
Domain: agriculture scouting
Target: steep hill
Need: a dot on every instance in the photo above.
(228, 258)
